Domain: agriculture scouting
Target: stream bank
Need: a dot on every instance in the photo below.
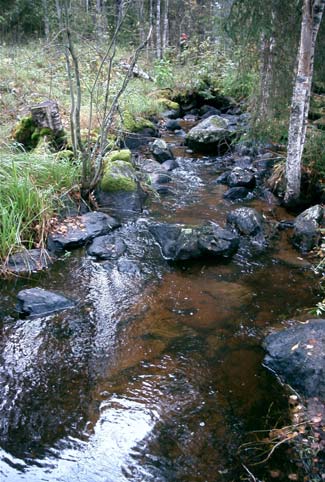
(157, 368)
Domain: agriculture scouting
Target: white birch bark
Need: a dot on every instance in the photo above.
(311, 19)
(158, 29)
(165, 27)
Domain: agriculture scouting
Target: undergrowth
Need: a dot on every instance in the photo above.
(30, 190)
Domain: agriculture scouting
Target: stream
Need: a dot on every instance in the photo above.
(154, 381)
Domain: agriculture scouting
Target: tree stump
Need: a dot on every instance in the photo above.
(47, 115)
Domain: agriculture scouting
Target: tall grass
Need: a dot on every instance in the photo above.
(30, 190)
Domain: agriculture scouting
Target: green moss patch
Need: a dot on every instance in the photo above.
(135, 124)
(30, 135)
(122, 155)
(118, 176)
(168, 104)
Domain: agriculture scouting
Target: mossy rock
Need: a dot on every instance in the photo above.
(168, 104)
(29, 134)
(122, 155)
(136, 124)
(23, 132)
(66, 154)
(118, 176)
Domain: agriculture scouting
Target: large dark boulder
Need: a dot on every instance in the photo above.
(179, 242)
(36, 301)
(241, 177)
(212, 135)
(77, 231)
(297, 356)
(161, 151)
(306, 231)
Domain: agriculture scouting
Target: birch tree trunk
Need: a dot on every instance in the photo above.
(165, 27)
(311, 19)
(150, 43)
(158, 29)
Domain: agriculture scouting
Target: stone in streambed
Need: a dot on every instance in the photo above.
(236, 193)
(211, 135)
(240, 177)
(180, 242)
(296, 355)
(77, 231)
(107, 247)
(36, 301)
(28, 261)
(306, 232)
(161, 151)
(170, 165)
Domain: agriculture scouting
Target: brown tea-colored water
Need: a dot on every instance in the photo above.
(154, 382)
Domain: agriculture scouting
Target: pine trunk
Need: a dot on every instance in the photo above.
(311, 19)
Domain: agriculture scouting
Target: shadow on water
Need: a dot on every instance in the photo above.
(158, 379)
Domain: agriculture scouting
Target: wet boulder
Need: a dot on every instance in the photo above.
(161, 151)
(296, 355)
(77, 231)
(170, 165)
(236, 193)
(246, 221)
(306, 231)
(160, 178)
(241, 177)
(255, 235)
(36, 302)
(212, 135)
(180, 242)
(172, 125)
(110, 246)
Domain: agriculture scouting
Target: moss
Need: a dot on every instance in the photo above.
(118, 176)
(168, 104)
(29, 135)
(132, 124)
(122, 155)
(65, 154)
(24, 131)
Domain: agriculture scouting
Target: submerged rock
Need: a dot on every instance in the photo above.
(77, 231)
(306, 232)
(180, 242)
(28, 261)
(296, 355)
(211, 135)
(36, 301)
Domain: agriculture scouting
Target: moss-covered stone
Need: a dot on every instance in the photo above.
(65, 154)
(29, 134)
(136, 124)
(122, 155)
(118, 176)
(168, 104)
(23, 132)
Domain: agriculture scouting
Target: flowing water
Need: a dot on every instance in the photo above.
(155, 381)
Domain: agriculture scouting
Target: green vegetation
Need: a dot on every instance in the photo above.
(118, 176)
(30, 190)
